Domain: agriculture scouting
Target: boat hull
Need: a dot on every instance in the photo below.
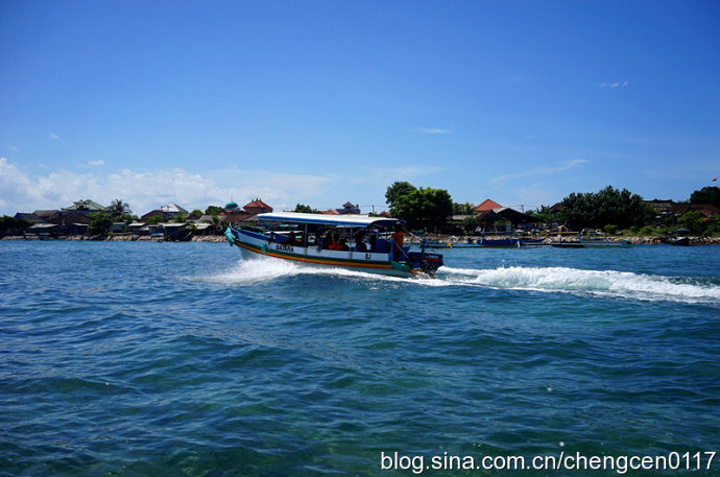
(253, 245)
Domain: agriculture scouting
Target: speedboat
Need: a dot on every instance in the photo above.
(300, 237)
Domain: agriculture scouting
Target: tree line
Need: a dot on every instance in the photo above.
(611, 210)
(424, 208)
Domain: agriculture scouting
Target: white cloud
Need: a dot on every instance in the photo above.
(541, 171)
(145, 191)
(96, 163)
(54, 137)
(433, 130)
(616, 84)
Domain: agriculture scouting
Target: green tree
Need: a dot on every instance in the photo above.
(100, 224)
(213, 210)
(118, 209)
(607, 206)
(13, 225)
(463, 209)
(578, 210)
(470, 224)
(694, 221)
(706, 195)
(543, 214)
(305, 209)
(420, 208)
(398, 191)
(195, 214)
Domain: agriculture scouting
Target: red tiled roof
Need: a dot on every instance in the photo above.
(257, 204)
(708, 210)
(235, 217)
(488, 205)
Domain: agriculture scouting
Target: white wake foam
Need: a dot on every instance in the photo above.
(607, 283)
(588, 282)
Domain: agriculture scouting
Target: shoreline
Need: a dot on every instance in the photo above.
(222, 239)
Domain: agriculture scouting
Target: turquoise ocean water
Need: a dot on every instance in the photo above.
(180, 359)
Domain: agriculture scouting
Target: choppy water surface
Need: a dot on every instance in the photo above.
(147, 359)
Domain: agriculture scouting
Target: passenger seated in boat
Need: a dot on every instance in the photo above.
(328, 240)
(398, 241)
(335, 244)
(373, 243)
(342, 245)
(359, 244)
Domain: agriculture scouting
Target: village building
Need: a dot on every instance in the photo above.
(490, 214)
(487, 205)
(349, 208)
(257, 206)
(669, 208)
(84, 207)
(166, 212)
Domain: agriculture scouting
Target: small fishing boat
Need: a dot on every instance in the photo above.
(679, 237)
(591, 243)
(514, 242)
(681, 241)
(567, 245)
(604, 242)
(302, 238)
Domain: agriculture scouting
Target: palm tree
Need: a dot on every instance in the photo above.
(118, 208)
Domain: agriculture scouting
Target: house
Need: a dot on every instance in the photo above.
(666, 208)
(166, 212)
(71, 222)
(489, 218)
(84, 207)
(349, 208)
(44, 230)
(257, 206)
(153, 213)
(236, 217)
(203, 228)
(118, 227)
(75, 228)
(233, 214)
(69, 218)
(172, 210)
(138, 228)
(487, 205)
(174, 231)
(708, 210)
(30, 217)
(46, 215)
(669, 208)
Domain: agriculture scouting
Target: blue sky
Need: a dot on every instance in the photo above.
(322, 102)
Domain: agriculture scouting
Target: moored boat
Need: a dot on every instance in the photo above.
(600, 242)
(590, 243)
(302, 238)
(681, 241)
(514, 242)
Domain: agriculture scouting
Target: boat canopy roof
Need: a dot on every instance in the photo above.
(346, 220)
